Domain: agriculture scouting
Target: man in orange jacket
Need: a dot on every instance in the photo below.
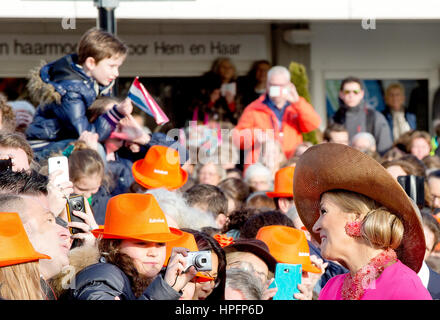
(280, 113)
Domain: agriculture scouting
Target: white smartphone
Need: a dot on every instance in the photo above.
(59, 163)
(276, 91)
(231, 87)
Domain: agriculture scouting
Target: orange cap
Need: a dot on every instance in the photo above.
(287, 245)
(15, 246)
(283, 183)
(160, 169)
(189, 242)
(136, 216)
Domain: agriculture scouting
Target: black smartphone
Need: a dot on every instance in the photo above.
(414, 187)
(75, 202)
(5, 164)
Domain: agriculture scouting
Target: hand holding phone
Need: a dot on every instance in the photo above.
(287, 278)
(59, 163)
(75, 203)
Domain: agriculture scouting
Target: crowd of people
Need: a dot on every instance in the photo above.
(213, 210)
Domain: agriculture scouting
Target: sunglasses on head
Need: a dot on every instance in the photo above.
(354, 91)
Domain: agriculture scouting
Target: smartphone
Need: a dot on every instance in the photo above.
(59, 163)
(75, 202)
(287, 278)
(414, 187)
(276, 91)
(5, 164)
(228, 87)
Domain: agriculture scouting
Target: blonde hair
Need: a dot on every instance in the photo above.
(380, 227)
(394, 86)
(85, 162)
(21, 282)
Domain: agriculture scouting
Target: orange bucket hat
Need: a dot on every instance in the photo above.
(283, 183)
(189, 242)
(138, 217)
(160, 169)
(15, 246)
(287, 245)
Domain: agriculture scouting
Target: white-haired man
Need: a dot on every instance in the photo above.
(280, 113)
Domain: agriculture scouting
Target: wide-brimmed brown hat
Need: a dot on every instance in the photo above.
(333, 166)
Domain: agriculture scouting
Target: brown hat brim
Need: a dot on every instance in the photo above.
(332, 166)
(247, 246)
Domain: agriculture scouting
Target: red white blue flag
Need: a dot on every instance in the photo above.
(143, 100)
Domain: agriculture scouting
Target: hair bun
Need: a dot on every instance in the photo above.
(382, 228)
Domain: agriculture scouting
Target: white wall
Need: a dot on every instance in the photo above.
(405, 50)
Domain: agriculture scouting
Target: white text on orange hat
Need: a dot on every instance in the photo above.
(160, 171)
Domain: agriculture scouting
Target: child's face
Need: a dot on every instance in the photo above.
(148, 257)
(106, 70)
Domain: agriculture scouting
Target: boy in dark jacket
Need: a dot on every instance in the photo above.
(65, 88)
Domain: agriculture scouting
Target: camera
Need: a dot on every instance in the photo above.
(5, 164)
(75, 203)
(201, 260)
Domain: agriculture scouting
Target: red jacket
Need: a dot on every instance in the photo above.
(298, 117)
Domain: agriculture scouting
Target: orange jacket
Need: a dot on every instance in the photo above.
(298, 118)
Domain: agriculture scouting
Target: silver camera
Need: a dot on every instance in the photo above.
(201, 260)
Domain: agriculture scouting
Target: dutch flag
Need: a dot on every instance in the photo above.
(140, 96)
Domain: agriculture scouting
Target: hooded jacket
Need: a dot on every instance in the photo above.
(64, 92)
(298, 117)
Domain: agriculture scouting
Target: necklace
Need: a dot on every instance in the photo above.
(354, 286)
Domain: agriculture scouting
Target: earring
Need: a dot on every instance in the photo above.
(353, 229)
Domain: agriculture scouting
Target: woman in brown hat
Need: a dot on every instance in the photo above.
(132, 244)
(363, 219)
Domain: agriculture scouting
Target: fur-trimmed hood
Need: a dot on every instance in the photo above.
(79, 257)
(41, 93)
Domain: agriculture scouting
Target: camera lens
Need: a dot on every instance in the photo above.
(199, 261)
(77, 206)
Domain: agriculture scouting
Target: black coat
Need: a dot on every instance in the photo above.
(105, 281)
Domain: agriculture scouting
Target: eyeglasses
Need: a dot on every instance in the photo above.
(354, 91)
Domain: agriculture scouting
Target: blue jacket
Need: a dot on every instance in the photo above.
(105, 281)
(434, 284)
(122, 174)
(64, 92)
